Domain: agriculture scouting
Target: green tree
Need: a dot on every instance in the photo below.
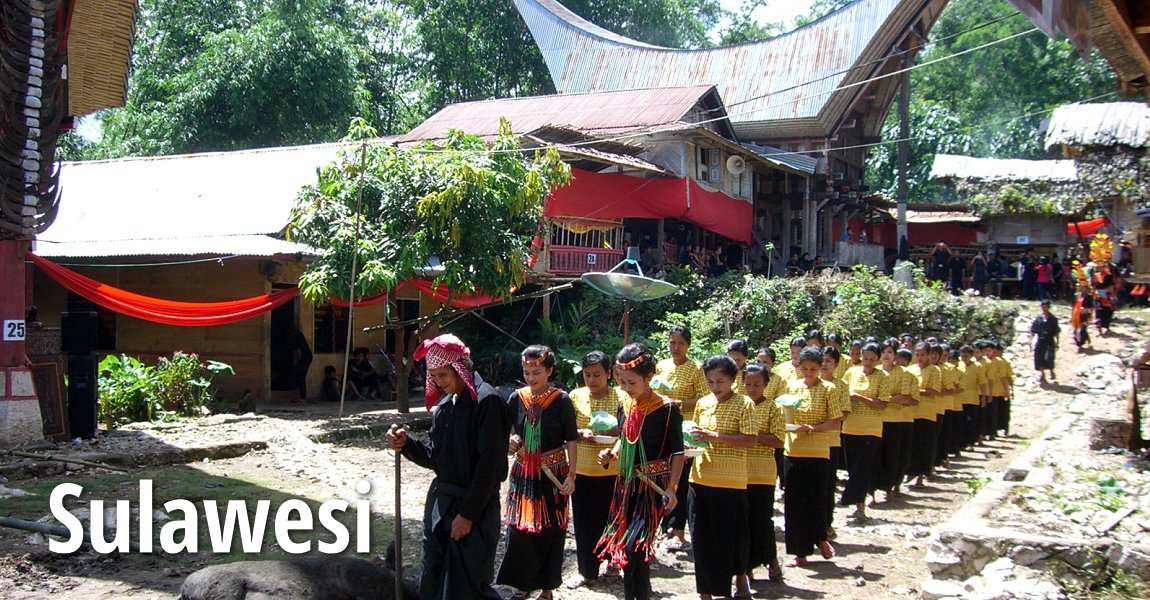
(990, 102)
(743, 27)
(471, 206)
(820, 9)
(219, 75)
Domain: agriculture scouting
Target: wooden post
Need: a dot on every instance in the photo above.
(546, 303)
(903, 152)
(660, 240)
(403, 368)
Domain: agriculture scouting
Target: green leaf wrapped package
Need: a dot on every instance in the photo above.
(602, 420)
(687, 427)
(660, 385)
(789, 400)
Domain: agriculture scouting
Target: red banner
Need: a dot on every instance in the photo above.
(616, 196)
(1087, 228)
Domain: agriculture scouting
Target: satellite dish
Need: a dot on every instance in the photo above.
(631, 287)
(736, 164)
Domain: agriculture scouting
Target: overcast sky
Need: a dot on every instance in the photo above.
(779, 11)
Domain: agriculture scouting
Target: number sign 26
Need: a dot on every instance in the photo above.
(14, 331)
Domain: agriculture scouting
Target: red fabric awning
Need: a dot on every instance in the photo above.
(615, 196)
(170, 312)
(1087, 228)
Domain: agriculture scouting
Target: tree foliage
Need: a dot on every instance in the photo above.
(472, 206)
(220, 75)
(986, 103)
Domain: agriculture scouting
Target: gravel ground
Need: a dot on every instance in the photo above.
(882, 558)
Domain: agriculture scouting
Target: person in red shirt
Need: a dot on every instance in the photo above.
(1045, 278)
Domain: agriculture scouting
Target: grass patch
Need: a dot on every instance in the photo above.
(975, 484)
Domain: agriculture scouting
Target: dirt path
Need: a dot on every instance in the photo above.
(881, 559)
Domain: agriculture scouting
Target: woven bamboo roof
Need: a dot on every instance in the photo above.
(99, 54)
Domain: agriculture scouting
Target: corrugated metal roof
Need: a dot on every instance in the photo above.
(595, 112)
(950, 166)
(183, 201)
(800, 162)
(226, 245)
(1103, 124)
(788, 78)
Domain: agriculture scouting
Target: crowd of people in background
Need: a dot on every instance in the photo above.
(688, 454)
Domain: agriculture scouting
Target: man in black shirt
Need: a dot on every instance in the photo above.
(467, 449)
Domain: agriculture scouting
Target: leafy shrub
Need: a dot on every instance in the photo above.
(131, 391)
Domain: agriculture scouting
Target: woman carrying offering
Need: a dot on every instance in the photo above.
(718, 495)
(685, 378)
(544, 443)
(761, 471)
(809, 415)
(591, 500)
(650, 458)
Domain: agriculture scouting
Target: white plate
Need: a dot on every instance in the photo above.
(692, 452)
(604, 439)
(793, 427)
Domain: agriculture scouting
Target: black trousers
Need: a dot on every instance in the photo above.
(590, 505)
(719, 536)
(678, 517)
(462, 569)
(859, 451)
(803, 504)
(761, 525)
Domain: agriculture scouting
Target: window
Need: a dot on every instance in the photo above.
(330, 329)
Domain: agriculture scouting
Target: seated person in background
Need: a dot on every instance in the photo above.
(331, 385)
(362, 376)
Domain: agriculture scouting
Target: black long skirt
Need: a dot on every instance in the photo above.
(678, 517)
(895, 449)
(761, 524)
(533, 561)
(990, 417)
(832, 484)
(922, 448)
(590, 506)
(1044, 354)
(970, 418)
(803, 504)
(1003, 417)
(859, 453)
(719, 536)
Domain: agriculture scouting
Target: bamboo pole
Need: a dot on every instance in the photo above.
(75, 461)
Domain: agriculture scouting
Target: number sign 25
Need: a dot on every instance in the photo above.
(14, 331)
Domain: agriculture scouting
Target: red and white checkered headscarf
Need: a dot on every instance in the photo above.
(440, 352)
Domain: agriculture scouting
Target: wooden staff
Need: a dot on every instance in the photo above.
(650, 482)
(62, 459)
(398, 526)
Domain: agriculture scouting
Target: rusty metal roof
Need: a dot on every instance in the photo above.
(1103, 124)
(595, 112)
(782, 86)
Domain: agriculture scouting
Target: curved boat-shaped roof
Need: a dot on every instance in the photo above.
(793, 82)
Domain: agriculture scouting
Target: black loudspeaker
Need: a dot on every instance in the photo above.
(78, 332)
(82, 378)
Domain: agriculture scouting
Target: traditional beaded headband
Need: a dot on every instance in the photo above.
(631, 364)
(535, 362)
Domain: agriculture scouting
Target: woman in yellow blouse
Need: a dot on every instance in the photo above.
(685, 377)
(808, 414)
(925, 440)
(739, 352)
(718, 495)
(762, 472)
(591, 501)
(840, 405)
(971, 382)
(898, 418)
(789, 370)
(869, 390)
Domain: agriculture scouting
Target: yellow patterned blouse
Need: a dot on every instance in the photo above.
(929, 378)
(840, 404)
(1000, 374)
(900, 381)
(948, 378)
(815, 408)
(585, 405)
(864, 419)
(739, 387)
(761, 467)
(686, 381)
(723, 466)
(787, 371)
(971, 378)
